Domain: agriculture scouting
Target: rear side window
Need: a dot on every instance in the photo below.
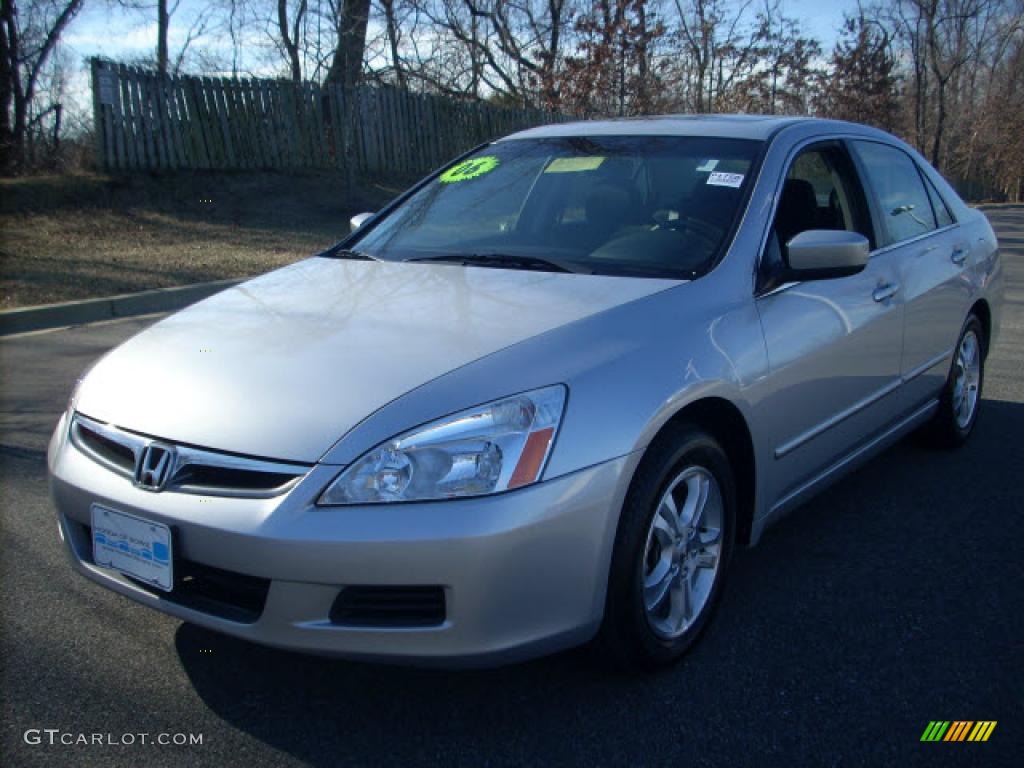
(903, 201)
(942, 214)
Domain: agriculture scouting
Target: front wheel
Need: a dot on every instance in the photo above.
(961, 398)
(672, 550)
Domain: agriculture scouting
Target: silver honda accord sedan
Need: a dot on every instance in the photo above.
(539, 399)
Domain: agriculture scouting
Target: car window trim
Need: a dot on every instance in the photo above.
(915, 239)
(874, 210)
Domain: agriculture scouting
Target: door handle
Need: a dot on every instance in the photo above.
(886, 291)
(959, 255)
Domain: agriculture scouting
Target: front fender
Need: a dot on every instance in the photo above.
(628, 371)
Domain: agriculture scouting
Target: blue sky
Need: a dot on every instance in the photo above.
(822, 18)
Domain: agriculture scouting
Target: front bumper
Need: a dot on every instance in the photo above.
(523, 573)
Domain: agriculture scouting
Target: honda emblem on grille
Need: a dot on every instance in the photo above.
(154, 466)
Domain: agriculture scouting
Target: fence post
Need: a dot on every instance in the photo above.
(97, 115)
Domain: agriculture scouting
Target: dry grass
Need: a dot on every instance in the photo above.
(82, 236)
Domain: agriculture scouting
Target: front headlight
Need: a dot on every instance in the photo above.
(487, 449)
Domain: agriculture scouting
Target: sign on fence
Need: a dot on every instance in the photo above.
(145, 121)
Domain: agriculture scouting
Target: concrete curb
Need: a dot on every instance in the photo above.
(92, 310)
(999, 206)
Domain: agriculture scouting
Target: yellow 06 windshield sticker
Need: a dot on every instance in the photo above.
(469, 169)
(573, 164)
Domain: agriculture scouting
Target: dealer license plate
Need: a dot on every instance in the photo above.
(135, 547)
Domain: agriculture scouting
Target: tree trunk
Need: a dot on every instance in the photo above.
(9, 85)
(347, 64)
(392, 30)
(163, 23)
(289, 39)
(548, 88)
(643, 105)
(940, 124)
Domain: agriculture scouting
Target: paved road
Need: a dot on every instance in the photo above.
(894, 599)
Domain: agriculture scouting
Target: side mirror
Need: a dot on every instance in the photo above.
(358, 220)
(820, 254)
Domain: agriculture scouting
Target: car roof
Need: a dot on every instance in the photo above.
(760, 127)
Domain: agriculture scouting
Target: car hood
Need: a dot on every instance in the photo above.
(283, 365)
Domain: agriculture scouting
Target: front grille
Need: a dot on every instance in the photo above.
(112, 452)
(215, 591)
(195, 470)
(389, 607)
(194, 476)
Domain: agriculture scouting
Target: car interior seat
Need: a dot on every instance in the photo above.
(611, 207)
(712, 205)
(798, 210)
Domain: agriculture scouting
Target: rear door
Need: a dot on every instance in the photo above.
(929, 251)
(834, 346)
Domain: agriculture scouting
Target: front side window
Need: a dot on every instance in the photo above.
(903, 202)
(623, 205)
(820, 191)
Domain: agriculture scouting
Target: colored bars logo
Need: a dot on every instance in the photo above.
(958, 730)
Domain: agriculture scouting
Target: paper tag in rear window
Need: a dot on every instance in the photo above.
(574, 164)
(721, 179)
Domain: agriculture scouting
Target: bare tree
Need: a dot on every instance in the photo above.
(510, 51)
(862, 82)
(614, 71)
(25, 49)
(289, 35)
(393, 32)
(952, 46)
(722, 44)
(165, 10)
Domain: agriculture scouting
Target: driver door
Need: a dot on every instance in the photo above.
(834, 345)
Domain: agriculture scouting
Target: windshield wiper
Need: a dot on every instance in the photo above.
(344, 253)
(501, 260)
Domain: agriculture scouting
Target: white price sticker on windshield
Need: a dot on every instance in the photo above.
(720, 179)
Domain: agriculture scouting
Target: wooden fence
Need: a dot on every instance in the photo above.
(153, 123)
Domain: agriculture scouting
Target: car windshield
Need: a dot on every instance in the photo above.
(625, 205)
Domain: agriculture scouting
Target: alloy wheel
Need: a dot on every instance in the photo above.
(683, 552)
(968, 379)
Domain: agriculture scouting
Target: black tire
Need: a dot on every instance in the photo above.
(944, 430)
(627, 639)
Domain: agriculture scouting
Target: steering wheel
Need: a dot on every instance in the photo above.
(709, 232)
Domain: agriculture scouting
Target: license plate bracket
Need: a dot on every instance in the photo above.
(139, 548)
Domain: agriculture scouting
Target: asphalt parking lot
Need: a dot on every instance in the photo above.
(894, 599)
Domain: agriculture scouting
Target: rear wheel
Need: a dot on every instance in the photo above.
(672, 549)
(961, 399)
